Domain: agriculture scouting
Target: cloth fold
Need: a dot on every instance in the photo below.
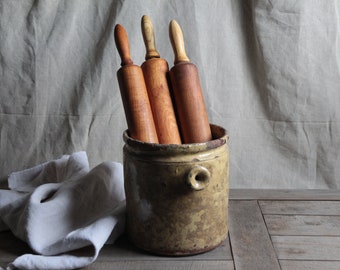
(62, 206)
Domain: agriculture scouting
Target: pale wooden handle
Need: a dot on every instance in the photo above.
(149, 38)
(177, 42)
(122, 44)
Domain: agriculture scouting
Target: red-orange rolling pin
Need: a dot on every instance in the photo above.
(187, 91)
(155, 71)
(133, 92)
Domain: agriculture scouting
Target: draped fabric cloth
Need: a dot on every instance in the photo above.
(61, 207)
(270, 73)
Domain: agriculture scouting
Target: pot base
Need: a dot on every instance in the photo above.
(177, 253)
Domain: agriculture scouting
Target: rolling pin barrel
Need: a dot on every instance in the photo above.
(134, 94)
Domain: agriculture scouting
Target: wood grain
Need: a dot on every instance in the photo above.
(177, 42)
(307, 247)
(303, 225)
(149, 38)
(309, 265)
(320, 208)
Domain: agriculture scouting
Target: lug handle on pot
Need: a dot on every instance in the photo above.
(198, 177)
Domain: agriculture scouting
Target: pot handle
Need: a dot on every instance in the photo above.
(198, 177)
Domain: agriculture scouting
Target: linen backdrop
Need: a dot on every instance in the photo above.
(269, 69)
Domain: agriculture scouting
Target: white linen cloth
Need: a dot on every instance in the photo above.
(61, 206)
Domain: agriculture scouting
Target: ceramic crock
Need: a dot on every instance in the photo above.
(177, 195)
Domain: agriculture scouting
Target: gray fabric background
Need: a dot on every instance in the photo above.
(270, 72)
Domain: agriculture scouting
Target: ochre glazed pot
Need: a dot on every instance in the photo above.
(177, 195)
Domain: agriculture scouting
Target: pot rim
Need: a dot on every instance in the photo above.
(220, 138)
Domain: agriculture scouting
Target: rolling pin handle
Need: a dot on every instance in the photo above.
(177, 42)
(149, 38)
(122, 44)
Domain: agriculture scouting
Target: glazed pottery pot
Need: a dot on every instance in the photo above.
(177, 195)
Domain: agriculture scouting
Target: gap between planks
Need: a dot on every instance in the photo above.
(285, 194)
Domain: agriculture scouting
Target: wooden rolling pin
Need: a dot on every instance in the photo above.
(133, 92)
(155, 70)
(187, 91)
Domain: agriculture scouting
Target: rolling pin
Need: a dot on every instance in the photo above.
(133, 92)
(155, 70)
(187, 91)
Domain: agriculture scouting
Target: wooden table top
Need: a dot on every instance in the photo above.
(268, 229)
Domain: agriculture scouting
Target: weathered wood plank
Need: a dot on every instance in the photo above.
(310, 265)
(123, 255)
(317, 208)
(303, 225)
(307, 248)
(164, 265)
(251, 245)
(283, 194)
(124, 250)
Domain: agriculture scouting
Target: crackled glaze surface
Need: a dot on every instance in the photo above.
(177, 195)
